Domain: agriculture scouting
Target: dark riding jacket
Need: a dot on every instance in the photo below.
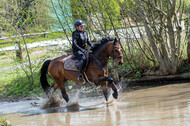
(79, 41)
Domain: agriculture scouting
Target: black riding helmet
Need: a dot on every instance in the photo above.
(78, 23)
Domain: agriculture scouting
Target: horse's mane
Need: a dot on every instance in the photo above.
(101, 43)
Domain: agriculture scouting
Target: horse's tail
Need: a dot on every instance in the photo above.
(43, 77)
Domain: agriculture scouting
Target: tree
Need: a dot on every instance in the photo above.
(32, 15)
(150, 30)
(162, 22)
(20, 17)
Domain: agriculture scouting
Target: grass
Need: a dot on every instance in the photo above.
(19, 86)
(9, 58)
(14, 82)
(7, 62)
(36, 38)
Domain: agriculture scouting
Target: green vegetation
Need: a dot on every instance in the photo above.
(17, 85)
(14, 80)
(4, 122)
(36, 38)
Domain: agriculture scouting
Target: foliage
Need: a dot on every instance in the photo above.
(2, 53)
(187, 6)
(129, 70)
(98, 15)
(19, 87)
(31, 15)
(14, 82)
(157, 18)
(23, 17)
(3, 122)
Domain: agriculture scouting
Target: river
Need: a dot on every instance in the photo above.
(151, 106)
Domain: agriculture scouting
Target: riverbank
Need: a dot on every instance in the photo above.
(88, 90)
(169, 79)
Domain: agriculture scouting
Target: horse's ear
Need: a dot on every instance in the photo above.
(115, 40)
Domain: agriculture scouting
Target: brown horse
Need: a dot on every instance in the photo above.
(96, 71)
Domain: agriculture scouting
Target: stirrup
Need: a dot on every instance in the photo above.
(79, 77)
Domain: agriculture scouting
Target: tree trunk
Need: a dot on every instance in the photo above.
(188, 45)
(154, 22)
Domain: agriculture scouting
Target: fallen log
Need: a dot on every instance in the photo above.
(151, 80)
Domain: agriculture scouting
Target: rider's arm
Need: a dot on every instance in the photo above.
(75, 44)
(88, 41)
(74, 40)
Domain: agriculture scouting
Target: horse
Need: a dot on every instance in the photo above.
(96, 71)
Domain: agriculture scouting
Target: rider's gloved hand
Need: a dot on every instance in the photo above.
(85, 51)
(89, 51)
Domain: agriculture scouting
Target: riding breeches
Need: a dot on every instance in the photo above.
(79, 55)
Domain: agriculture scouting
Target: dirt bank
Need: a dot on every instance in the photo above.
(161, 80)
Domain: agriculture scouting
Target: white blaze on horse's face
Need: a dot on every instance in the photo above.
(117, 53)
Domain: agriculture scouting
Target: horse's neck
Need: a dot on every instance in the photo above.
(102, 55)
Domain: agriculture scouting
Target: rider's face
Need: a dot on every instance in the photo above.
(80, 28)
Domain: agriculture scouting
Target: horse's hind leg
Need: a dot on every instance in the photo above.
(63, 91)
(105, 90)
(55, 87)
(51, 90)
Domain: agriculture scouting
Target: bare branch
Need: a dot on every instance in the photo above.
(155, 7)
(60, 22)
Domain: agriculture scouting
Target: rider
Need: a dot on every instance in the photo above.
(79, 41)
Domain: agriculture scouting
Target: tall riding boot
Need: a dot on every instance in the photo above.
(80, 69)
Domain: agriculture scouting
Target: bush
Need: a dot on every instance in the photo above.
(4, 122)
(2, 53)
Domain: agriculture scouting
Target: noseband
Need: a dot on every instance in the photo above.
(112, 53)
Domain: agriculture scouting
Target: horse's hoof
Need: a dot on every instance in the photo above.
(65, 96)
(115, 95)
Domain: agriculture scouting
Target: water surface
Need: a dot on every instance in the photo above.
(154, 106)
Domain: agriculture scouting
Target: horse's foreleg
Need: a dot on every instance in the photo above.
(115, 92)
(110, 84)
(105, 90)
(63, 91)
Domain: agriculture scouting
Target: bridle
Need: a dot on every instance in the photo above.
(112, 53)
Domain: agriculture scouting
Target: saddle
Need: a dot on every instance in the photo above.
(72, 63)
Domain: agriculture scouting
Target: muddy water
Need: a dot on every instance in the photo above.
(156, 106)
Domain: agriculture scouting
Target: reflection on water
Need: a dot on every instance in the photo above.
(157, 106)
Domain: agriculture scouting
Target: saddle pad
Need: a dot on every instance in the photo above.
(70, 64)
